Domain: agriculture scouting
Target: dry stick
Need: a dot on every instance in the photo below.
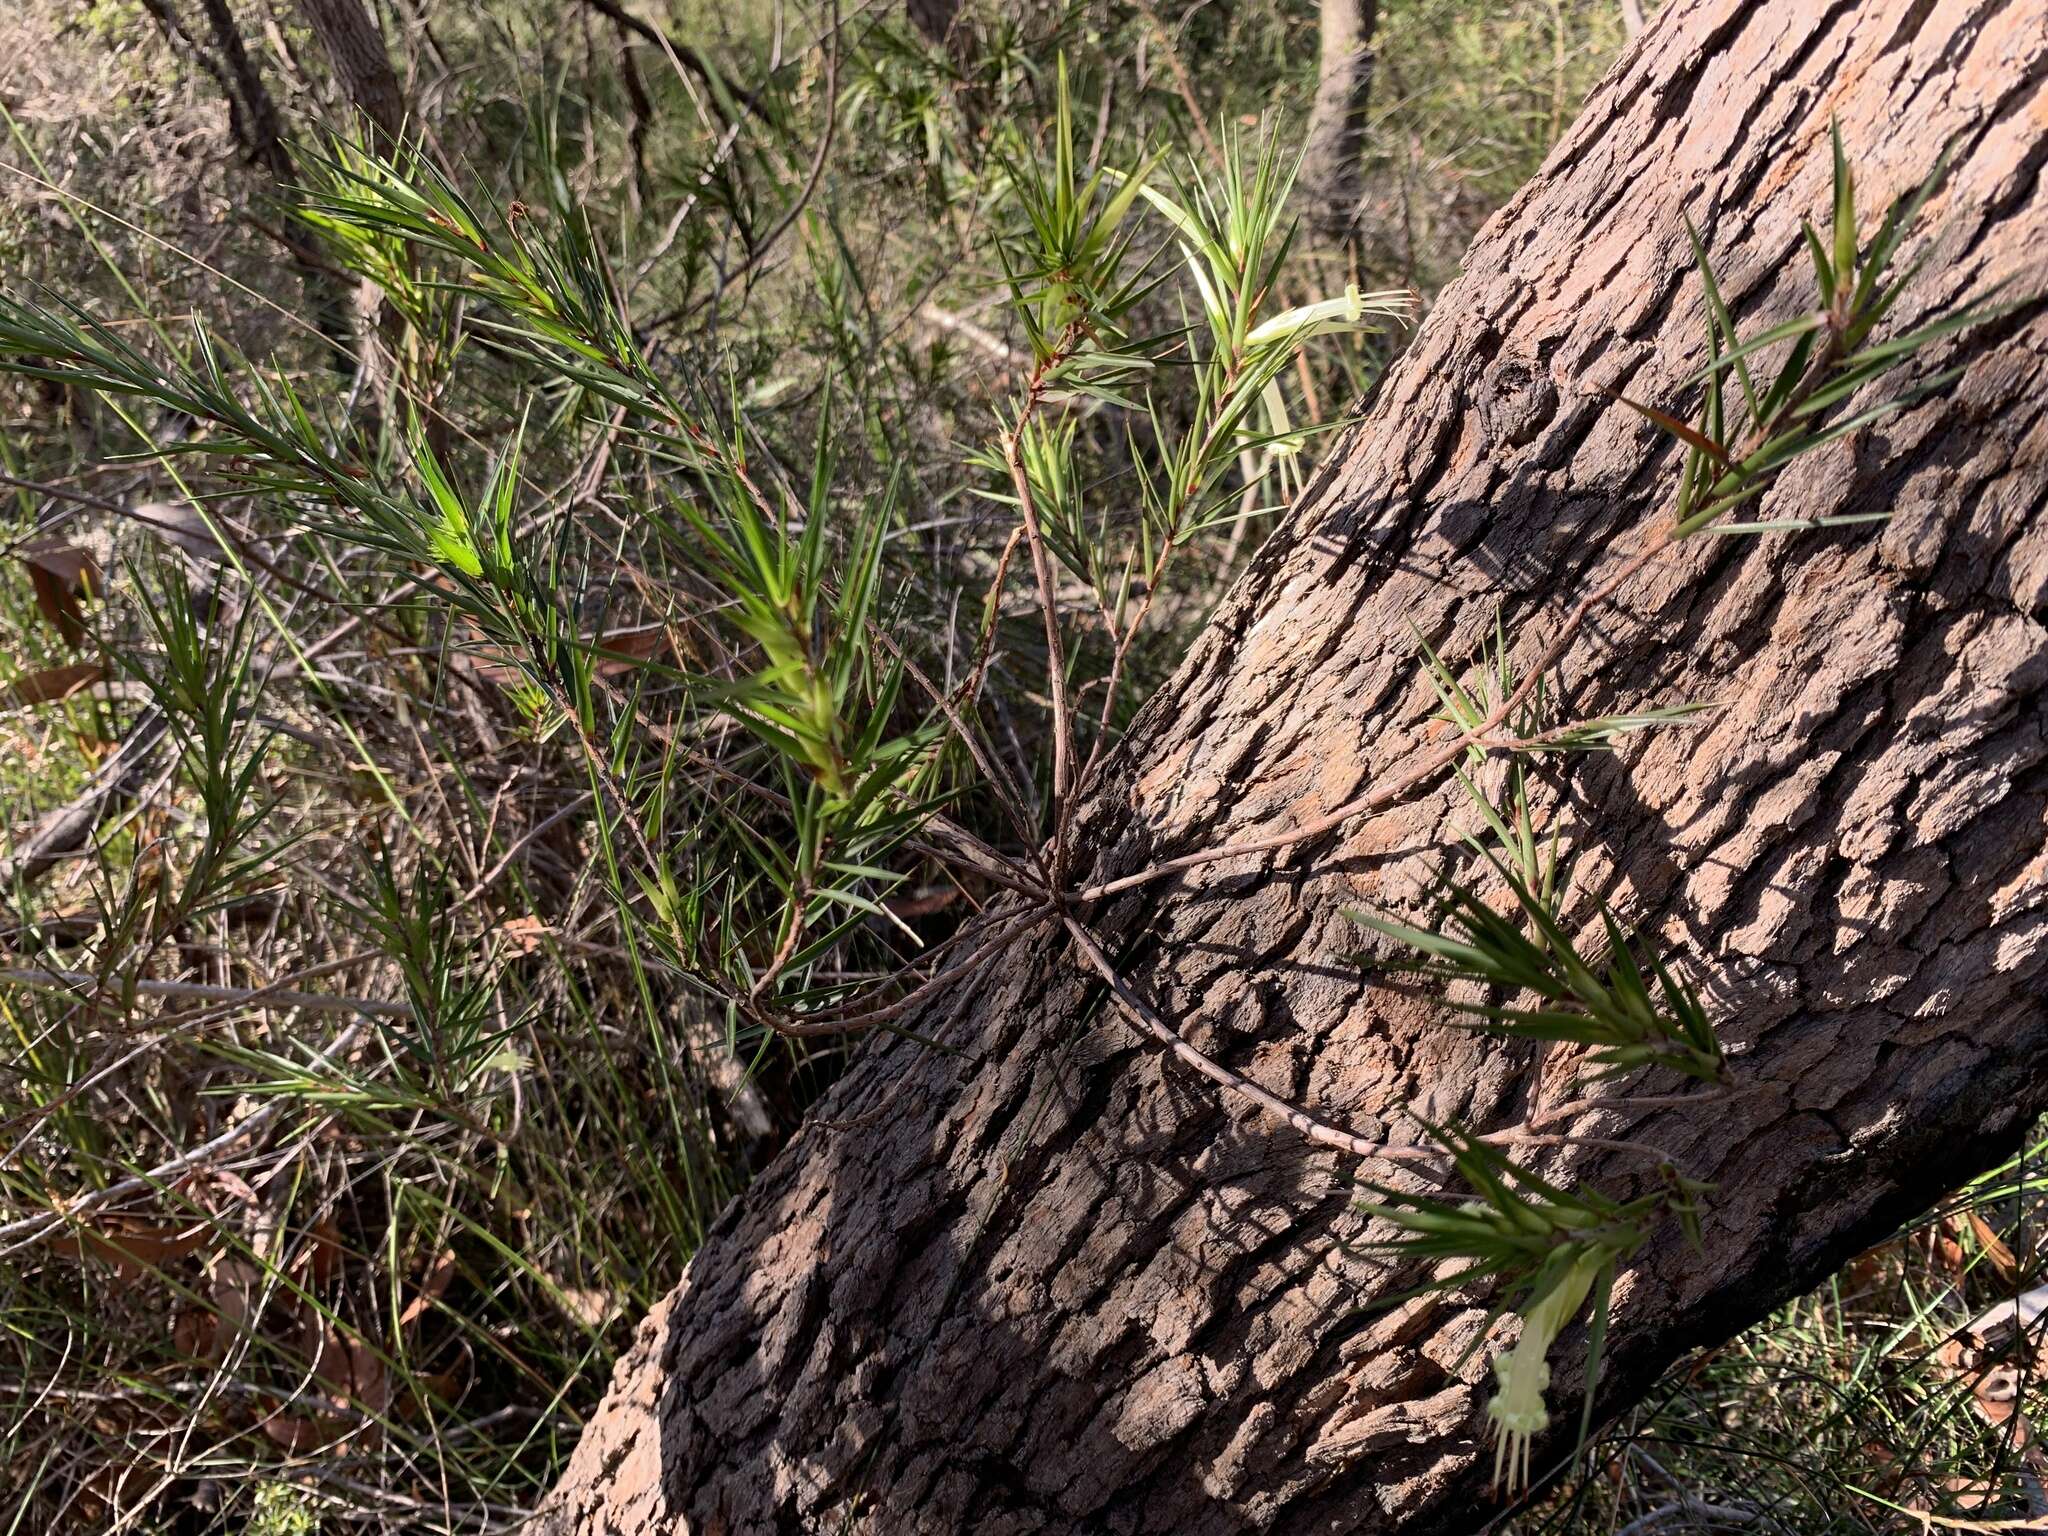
(1638, 1101)
(483, 881)
(798, 895)
(1183, 84)
(816, 174)
(837, 1020)
(273, 994)
(681, 55)
(1008, 795)
(1055, 650)
(19, 1234)
(1056, 662)
(984, 860)
(1319, 1131)
(1116, 666)
(939, 319)
(242, 544)
(194, 991)
(1520, 1136)
(970, 691)
(1003, 939)
(1183, 497)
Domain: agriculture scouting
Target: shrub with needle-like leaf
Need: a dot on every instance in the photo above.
(1519, 972)
(1627, 1019)
(1547, 1248)
(1740, 445)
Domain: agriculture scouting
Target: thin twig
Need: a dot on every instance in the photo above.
(1318, 1131)
(1055, 649)
(20, 1234)
(194, 991)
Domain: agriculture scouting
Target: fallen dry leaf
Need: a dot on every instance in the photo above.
(300, 1436)
(343, 1363)
(432, 1285)
(624, 650)
(47, 685)
(1867, 1268)
(446, 1385)
(1947, 1252)
(324, 1251)
(925, 903)
(235, 1290)
(524, 933)
(586, 1306)
(133, 1248)
(614, 654)
(1995, 1249)
(194, 1333)
(61, 574)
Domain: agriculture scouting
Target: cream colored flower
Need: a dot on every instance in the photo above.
(1517, 1410)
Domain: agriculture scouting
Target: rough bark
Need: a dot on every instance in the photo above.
(1055, 1284)
(1333, 157)
(934, 18)
(355, 49)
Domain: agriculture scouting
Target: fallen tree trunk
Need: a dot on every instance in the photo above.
(1057, 1283)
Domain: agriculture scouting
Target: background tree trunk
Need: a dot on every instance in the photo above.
(1333, 158)
(362, 68)
(934, 18)
(355, 49)
(1053, 1283)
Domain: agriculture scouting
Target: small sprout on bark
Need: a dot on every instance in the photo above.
(1549, 1248)
(1736, 448)
(1626, 1018)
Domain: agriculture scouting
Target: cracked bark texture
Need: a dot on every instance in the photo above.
(1055, 1284)
(1332, 176)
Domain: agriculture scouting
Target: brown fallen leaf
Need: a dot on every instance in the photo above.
(236, 1293)
(61, 574)
(446, 1385)
(47, 685)
(1946, 1251)
(925, 903)
(344, 1363)
(615, 653)
(432, 1285)
(300, 1436)
(195, 1332)
(133, 1248)
(1979, 1357)
(1997, 1395)
(623, 650)
(1995, 1249)
(587, 1306)
(324, 1251)
(525, 933)
(1865, 1270)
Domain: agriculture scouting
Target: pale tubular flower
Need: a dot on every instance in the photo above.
(1517, 1409)
(1346, 312)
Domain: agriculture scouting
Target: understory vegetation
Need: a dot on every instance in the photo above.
(528, 631)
